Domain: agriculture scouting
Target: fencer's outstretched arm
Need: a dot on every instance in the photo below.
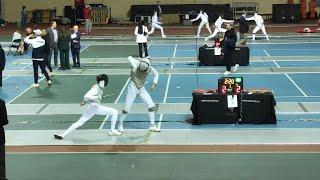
(250, 19)
(227, 21)
(93, 95)
(196, 19)
(35, 42)
(155, 75)
(133, 62)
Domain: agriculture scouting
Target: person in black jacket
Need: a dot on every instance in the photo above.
(75, 46)
(37, 44)
(229, 45)
(159, 9)
(244, 27)
(46, 51)
(2, 63)
(3, 122)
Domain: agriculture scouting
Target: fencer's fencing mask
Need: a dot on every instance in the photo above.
(104, 78)
(145, 64)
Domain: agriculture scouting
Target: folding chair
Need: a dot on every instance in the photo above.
(15, 44)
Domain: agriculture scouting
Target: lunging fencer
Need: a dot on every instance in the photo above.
(204, 21)
(139, 72)
(155, 24)
(92, 100)
(218, 27)
(259, 25)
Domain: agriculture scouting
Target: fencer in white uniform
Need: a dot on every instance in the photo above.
(155, 24)
(218, 27)
(204, 21)
(92, 100)
(260, 25)
(139, 72)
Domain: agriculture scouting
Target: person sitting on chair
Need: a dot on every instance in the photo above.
(16, 42)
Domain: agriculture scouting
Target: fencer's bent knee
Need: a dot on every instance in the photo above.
(151, 109)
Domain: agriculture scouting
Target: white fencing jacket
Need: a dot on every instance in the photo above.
(203, 16)
(220, 21)
(94, 95)
(257, 18)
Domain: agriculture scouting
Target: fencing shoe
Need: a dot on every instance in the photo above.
(235, 68)
(154, 129)
(56, 136)
(114, 133)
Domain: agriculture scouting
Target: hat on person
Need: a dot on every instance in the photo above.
(37, 32)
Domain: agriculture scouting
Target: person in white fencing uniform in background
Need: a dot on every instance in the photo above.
(218, 27)
(260, 25)
(139, 72)
(204, 21)
(155, 24)
(92, 100)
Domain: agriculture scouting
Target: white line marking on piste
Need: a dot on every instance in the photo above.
(266, 52)
(275, 62)
(296, 85)
(121, 92)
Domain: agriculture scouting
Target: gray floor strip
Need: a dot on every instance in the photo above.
(168, 137)
(140, 108)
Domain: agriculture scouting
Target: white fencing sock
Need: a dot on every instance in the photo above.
(122, 118)
(114, 121)
(73, 127)
(151, 118)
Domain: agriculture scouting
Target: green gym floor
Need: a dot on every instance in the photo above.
(35, 114)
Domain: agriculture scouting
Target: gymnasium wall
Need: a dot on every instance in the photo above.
(11, 8)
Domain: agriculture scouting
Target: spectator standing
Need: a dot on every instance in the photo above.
(75, 46)
(159, 10)
(2, 64)
(64, 47)
(37, 44)
(229, 46)
(53, 36)
(141, 32)
(46, 51)
(3, 121)
(87, 18)
(244, 27)
(24, 17)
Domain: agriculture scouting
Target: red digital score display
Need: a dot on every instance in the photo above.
(230, 84)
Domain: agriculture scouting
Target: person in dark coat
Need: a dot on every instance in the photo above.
(64, 47)
(53, 34)
(159, 9)
(244, 27)
(2, 63)
(3, 122)
(24, 17)
(46, 51)
(229, 45)
(73, 17)
(75, 46)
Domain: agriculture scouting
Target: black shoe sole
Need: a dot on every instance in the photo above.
(58, 137)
